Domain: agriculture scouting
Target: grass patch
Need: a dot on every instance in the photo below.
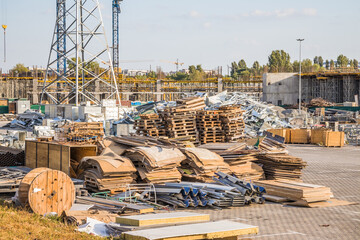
(16, 223)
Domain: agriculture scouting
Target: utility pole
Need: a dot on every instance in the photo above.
(4, 27)
(300, 40)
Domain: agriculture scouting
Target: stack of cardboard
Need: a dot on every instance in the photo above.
(281, 166)
(108, 171)
(210, 126)
(233, 123)
(157, 164)
(201, 165)
(150, 125)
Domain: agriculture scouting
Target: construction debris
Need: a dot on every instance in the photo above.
(108, 171)
(28, 119)
(201, 165)
(157, 164)
(11, 157)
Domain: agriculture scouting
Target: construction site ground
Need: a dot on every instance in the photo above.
(337, 168)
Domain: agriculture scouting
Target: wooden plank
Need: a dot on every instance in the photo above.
(211, 230)
(30, 154)
(42, 153)
(162, 218)
(65, 159)
(55, 157)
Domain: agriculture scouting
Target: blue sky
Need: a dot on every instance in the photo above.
(208, 32)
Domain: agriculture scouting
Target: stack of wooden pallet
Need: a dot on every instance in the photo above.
(84, 132)
(233, 123)
(281, 166)
(150, 125)
(108, 171)
(180, 121)
(201, 165)
(157, 164)
(210, 126)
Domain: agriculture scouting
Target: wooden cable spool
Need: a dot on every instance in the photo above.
(46, 190)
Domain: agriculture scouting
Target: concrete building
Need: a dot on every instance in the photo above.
(281, 88)
(337, 87)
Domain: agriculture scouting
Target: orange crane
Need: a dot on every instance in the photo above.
(177, 63)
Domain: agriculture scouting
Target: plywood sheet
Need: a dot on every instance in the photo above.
(30, 154)
(162, 218)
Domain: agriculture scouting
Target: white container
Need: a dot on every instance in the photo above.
(71, 112)
(22, 106)
(50, 111)
(110, 113)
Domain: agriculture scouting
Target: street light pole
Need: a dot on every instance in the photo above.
(300, 40)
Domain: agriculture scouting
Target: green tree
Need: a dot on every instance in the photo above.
(316, 60)
(20, 68)
(242, 65)
(342, 61)
(296, 66)
(256, 69)
(152, 74)
(279, 61)
(196, 73)
(320, 61)
(332, 64)
(180, 76)
(327, 64)
(356, 64)
(306, 65)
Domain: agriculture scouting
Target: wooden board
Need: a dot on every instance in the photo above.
(162, 218)
(300, 136)
(30, 154)
(211, 230)
(46, 190)
(334, 139)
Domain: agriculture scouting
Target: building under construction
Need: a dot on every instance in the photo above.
(337, 87)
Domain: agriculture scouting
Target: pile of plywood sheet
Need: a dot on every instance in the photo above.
(176, 225)
(157, 164)
(201, 165)
(303, 194)
(149, 125)
(272, 143)
(108, 171)
(233, 123)
(281, 166)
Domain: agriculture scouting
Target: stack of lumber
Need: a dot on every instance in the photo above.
(201, 165)
(302, 193)
(84, 132)
(150, 125)
(233, 123)
(157, 164)
(11, 157)
(210, 126)
(108, 171)
(193, 103)
(281, 166)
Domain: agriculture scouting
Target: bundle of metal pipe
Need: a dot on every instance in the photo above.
(11, 157)
(251, 192)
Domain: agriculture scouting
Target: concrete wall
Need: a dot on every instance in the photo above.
(282, 87)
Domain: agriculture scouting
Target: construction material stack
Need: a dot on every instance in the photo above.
(201, 165)
(180, 121)
(84, 132)
(150, 125)
(233, 123)
(157, 164)
(281, 166)
(210, 126)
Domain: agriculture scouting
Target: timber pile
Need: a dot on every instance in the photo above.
(150, 125)
(84, 132)
(302, 193)
(233, 123)
(108, 171)
(210, 126)
(11, 157)
(281, 166)
(201, 165)
(272, 144)
(157, 164)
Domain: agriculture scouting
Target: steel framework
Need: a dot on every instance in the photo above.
(80, 63)
(116, 40)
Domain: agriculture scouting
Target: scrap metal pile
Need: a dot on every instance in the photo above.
(27, 119)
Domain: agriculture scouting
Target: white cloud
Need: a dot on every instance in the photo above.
(309, 11)
(285, 13)
(207, 25)
(194, 13)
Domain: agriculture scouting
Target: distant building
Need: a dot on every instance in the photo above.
(133, 73)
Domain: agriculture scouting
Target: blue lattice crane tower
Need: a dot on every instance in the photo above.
(116, 40)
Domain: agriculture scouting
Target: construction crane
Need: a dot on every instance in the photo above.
(4, 26)
(177, 63)
(116, 40)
